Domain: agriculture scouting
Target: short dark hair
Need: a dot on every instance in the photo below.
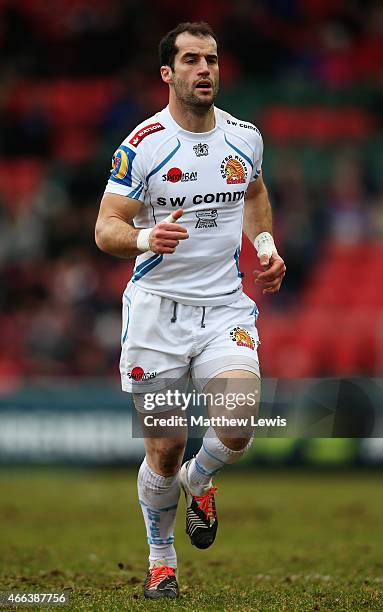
(167, 47)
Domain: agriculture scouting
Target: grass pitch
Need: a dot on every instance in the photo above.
(286, 541)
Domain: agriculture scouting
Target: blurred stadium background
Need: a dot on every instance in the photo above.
(77, 76)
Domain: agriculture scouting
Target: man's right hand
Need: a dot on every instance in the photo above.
(165, 236)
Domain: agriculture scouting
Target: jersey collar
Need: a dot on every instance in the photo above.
(195, 136)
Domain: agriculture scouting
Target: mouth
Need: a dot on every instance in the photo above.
(204, 86)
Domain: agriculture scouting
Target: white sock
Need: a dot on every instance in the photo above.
(158, 496)
(209, 460)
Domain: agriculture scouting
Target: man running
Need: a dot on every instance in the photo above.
(183, 185)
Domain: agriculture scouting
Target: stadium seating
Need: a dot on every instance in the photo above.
(20, 179)
(338, 328)
(317, 103)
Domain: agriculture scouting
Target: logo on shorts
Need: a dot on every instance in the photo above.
(242, 337)
(137, 374)
(144, 132)
(201, 149)
(234, 170)
(206, 218)
(174, 175)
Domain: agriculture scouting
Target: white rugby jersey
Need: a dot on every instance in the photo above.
(166, 167)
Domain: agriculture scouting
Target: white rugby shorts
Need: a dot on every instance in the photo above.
(163, 340)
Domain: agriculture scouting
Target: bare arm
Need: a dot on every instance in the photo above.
(257, 219)
(116, 235)
(257, 213)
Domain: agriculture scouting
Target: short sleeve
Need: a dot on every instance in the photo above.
(258, 157)
(127, 176)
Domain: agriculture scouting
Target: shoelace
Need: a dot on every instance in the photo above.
(205, 502)
(158, 574)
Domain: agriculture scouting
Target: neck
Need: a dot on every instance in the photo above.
(192, 119)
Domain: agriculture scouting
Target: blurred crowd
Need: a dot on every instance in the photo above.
(332, 41)
(78, 75)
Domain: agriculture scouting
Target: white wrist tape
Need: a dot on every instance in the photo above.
(169, 219)
(143, 235)
(143, 239)
(264, 244)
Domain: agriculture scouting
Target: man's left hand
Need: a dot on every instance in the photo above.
(272, 275)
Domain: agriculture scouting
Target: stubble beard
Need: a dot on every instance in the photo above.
(190, 101)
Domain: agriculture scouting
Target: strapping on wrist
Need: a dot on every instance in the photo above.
(143, 239)
(264, 244)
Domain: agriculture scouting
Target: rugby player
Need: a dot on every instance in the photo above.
(182, 187)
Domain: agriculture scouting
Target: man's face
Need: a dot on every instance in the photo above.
(195, 77)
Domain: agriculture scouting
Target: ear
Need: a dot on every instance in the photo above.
(166, 74)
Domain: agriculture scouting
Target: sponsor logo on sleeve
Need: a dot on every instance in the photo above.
(242, 337)
(234, 170)
(121, 170)
(206, 218)
(144, 132)
(201, 149)
(120, 164)
(174, 175)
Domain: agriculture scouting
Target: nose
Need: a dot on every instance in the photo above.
(203, 68)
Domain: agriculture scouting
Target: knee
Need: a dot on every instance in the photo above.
(235, 443)
(165, 455)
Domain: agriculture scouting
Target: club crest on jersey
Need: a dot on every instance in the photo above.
(234, 170)
(174, 175)
(242, 337)
(144, 132)
(206, 218)
(201, 149)
(137, 373)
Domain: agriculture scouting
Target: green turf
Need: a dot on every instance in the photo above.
(287, 541)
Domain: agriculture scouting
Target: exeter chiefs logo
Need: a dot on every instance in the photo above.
(234, 170)
(242, 338)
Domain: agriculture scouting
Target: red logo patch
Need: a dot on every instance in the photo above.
(145, 131)
(137, 373)
(174, 175)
